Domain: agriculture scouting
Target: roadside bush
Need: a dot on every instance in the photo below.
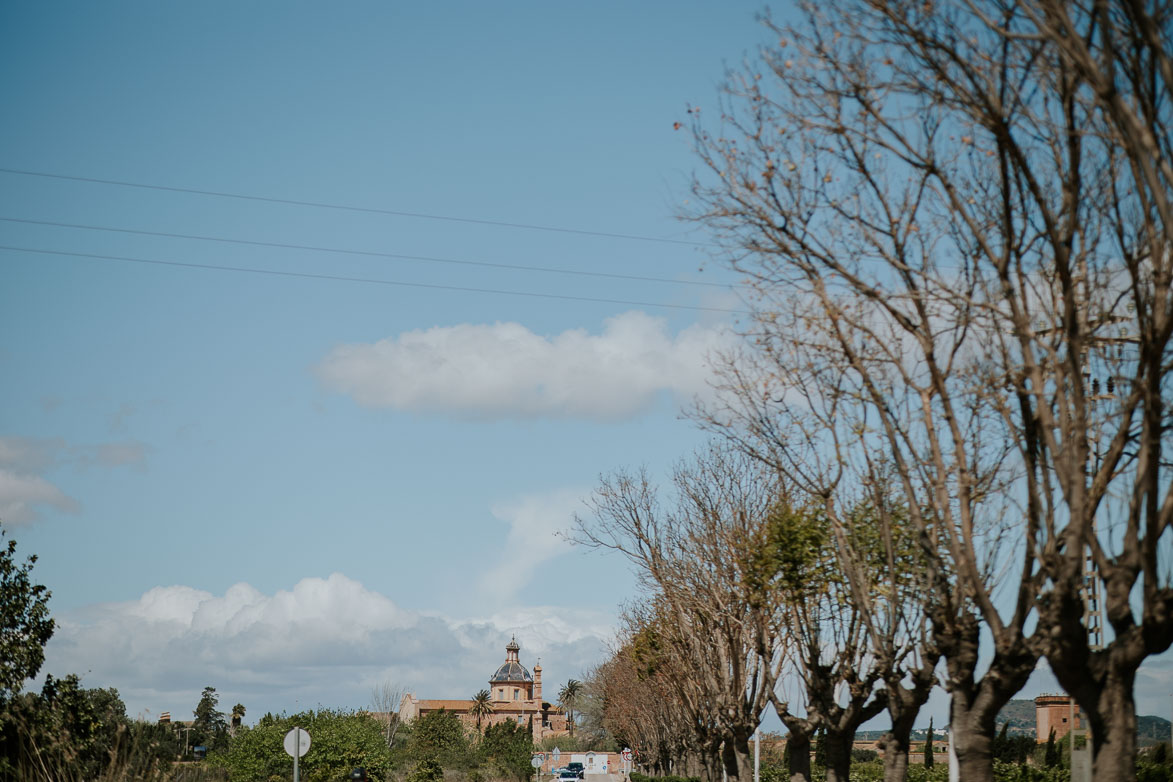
(637, 777)
(340, 741)
(427, 770)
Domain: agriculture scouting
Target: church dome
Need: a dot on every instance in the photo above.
(511, 671)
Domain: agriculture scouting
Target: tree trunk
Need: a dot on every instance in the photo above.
(838, 744)
(1109, 705)
(736, 758)
(713, 765)
(693, 765)
(799, 747)
(1102, 682)
(895, 745)
(895, 759)
(904, 704)
(975, 703)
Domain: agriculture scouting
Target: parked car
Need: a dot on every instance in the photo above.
(566, 775)
(577, 768)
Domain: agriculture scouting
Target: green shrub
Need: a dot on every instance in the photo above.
(427, 770)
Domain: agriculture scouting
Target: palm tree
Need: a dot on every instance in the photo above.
(481, 707)
(237, 716)
(568, 699)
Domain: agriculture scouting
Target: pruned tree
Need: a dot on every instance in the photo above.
(955, 219)
(640, 709)
(691, 557)
(888, 581)
(826, 629)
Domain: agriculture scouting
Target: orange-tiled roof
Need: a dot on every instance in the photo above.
(446, 705)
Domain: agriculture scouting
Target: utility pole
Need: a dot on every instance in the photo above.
(757, 753)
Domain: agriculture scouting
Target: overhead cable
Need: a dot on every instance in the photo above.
(366, 280)
(349, 208)
(365, 253)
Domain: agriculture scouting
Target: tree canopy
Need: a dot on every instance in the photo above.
(25, 624)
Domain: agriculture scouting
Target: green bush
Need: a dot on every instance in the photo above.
(643, 777)
(938, 772)
(340, 741)
(440, 736)
(866, 771)
(507, 748)
(427, 770)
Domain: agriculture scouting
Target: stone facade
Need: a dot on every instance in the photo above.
(1054, 711)
(515, 694)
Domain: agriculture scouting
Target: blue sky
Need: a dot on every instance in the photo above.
(293, 487)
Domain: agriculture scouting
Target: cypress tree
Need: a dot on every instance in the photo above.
(929, 746)
(1002, 744)
(1051, 756)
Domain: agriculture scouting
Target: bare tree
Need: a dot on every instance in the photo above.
(640, 709)
(955, 218)
(691, 558)
(385, 700)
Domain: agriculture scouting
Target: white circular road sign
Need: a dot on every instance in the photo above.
(297, 743)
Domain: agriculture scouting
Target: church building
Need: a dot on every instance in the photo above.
(514, 693)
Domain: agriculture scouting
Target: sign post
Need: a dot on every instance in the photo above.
(297, 743)
(626, 755)
(536, 761)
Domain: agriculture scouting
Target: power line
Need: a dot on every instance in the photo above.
(364, 253)
(366, 280)
(348, 208)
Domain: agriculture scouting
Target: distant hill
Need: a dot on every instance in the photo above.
(1151, 730)
(1020, 713)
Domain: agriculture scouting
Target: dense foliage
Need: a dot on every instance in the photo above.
(506, 750)
(71, 732)
(340, 741)
(439, 736)
(25, 624)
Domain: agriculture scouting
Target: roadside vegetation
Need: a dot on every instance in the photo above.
(942, 438)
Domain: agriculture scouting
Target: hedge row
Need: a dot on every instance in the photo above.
(637, 777)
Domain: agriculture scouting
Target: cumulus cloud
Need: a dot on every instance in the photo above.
(535, 522)
(326, 641)
(25, 491)
(506, 370)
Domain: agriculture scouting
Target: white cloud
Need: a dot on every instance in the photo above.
(25, 491)
(21, 496)
(324, 642)
(533, 539)
(506, 370)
